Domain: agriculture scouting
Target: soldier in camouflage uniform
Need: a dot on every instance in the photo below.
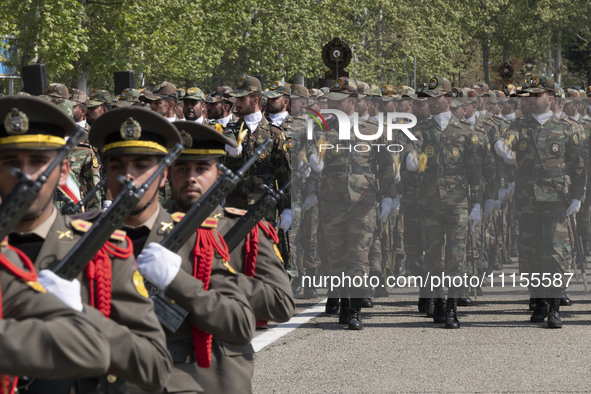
(546, 154)
(409, 201)
(84, 163)
(127, 98)
(98, 103)
(349, 195)
(452, 160)
(582, 128)
(272, 168)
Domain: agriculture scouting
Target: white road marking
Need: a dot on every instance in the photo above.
(273, 334)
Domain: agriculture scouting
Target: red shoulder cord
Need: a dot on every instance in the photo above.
(99, 270)
(251, 250)
(202, 259)
(5, 381)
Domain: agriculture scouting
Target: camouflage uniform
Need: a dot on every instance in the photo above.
(455, 158)
(348, 199)
(272, 168)
(546, 155)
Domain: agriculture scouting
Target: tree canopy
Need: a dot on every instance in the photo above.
(211, 42)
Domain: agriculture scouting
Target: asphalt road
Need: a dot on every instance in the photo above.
(497, 349)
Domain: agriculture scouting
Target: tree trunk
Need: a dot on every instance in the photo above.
(485, 57)
(558, 58)
(549, 57)
(380, 71)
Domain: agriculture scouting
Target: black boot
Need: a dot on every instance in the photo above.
(439, 315)
(380, 291)
(310, 292)
(554, 313)
(532, 304)
(430, 307)
(355, 321)
(345, 311)
(464, 298)
(541, 310)
(564, 300)
(332, 303)
(451, 313)
(366, 303)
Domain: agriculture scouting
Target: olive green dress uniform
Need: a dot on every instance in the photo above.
(31, 123)
(222, 311)
(137, 336)
(268, 292)
(41, 337)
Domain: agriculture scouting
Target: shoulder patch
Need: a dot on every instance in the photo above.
(138, 283)
(177, 216)
(118, 235)
(235, 211)
(81, 225)
(210, 223)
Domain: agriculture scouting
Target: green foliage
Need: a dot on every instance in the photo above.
(210, 42)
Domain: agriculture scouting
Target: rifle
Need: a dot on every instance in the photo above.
(172, 315)
(90, 243)
(21, 197)
(254, 215)
(285, 250)
(579, 249)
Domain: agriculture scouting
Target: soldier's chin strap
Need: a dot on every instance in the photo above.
(142, 209)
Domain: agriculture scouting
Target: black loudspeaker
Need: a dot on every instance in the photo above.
(260, 78)
(124, 80)
(34, 79)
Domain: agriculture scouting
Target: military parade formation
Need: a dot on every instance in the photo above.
(148, 234)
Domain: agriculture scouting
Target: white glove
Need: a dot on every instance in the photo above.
(67, 291)
(158, 264)
(386, 206)
(308, 169)
(233, 152)
(395, 205)
(412, 162)
(490, 206)
(107, 204)
(397, 177)
(574, 207)
(475, 217)
(511, 189)
(285, 220)
(309, 202)
(316, 164)
(503, 194)
(504, 152)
